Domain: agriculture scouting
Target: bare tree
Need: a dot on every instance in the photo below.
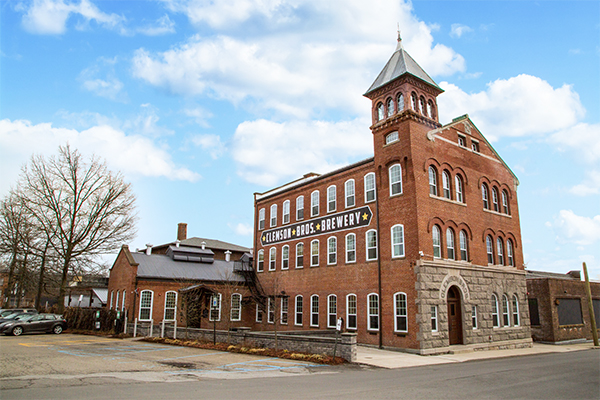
(88, 209)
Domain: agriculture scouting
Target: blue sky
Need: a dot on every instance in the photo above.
(201, 104)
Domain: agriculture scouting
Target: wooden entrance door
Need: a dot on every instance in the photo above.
(455, 333)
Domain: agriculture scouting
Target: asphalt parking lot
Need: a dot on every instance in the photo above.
(54, 360)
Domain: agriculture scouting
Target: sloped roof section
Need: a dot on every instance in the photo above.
(399, 64)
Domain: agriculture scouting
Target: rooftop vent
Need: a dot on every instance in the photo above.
(148, 249)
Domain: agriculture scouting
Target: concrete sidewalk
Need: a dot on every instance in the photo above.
(395, 359)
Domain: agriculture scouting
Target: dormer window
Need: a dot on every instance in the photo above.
(390, 107)
(475, 146)
(400, 102)
(380, 113)
(392, 137)
(462, 141)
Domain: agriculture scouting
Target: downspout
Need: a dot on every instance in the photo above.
(379, 261)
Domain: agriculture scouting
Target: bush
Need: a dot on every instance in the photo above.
(85, 318)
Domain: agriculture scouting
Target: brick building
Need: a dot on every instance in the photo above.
(558, 306)
(418, 247)
(177, 281)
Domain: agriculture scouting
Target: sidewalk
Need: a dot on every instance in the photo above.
(395, 359)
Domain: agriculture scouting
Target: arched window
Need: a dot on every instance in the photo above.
(350, 193)
(446, 184)
(422, 105)
(495, 317)
(299, 208)
(390, 107)
(515, 310)
(463, 246)
(331, 311)
(299, 307)
(433, 181)
(397, 241)
(435, 235)
(314, 310)
(391, 137)
(350, 248)
(236, 307)
(272, 256)
(351, 312)
(332, 250)
(458, 189)
(300, 255)
(286, 212)
(509, 253)
(314, 253)
(314, 203)
(400, 102)
(395, 179)
(400, 313)
(500, 249)
(146, 305)
(450, 244)
(373, 312)
(489, 246)
(285, 257)
(370, 187)
(170, 306)
(261, 219)
(123, 300)
(430, 110)
(261, 261)
(484, 196)
(331, 197)
(380, 112)
(274, 215)
(413, 101)
(505, 202)
(495, 199)
(505, 318)
(371, 245)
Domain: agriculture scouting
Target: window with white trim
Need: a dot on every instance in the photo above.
(433, 189)
(300, 255)
(422, 105)
(430, 109)
(350, 248)
(495, 316)
(331, 198)
(259, 313)
(261, 219)
(314, 310)
(505, 202)
(400, 312)
(474, 316)
(146, 305)
(474, 146)
(395, 179)
(500, 249)
(400, 102)
(458, 189)
(397, 241)
(123, 300)
(370, 187)
(331, 311)
(484, 196)
(350, 193)
(299, 306)
(236, 307)
(380, 112)
(489, 246)
(464, 256)
(299, 208)
(286, 212)
(495, 199)
(390, 107)
(437, 242)
(373, 312)
(434, 319)
(450, 244)
(505, 318)
(283, 318)
(272, 256)
(462, 141)
(215, 311)
(314, 253)
(170, 306)
(117, 301)
(271, 309)
(391, 137)
(314, 203)
(273, 215)
(509, 253)
(112, 294)
(515, 310)
(446, 185)
(285, 257)
(351, 312)
(371, 244)
(260, 265)
(332, 250)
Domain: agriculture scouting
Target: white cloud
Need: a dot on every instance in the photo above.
(101, 80)
(242, 229)
(457, 30)
(163, 26)
(134, 155)
(518, 106)
(49, 17)
(590, 186)
(200, 115)
(582, 138)
(577, 229)
(210, 143)
(268, 153)
(146, 123)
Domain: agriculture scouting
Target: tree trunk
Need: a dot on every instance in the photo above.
(38, 296)
(11, 278)
(63, 284)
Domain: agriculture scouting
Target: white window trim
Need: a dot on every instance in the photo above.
(286, 213)
(261, 219)
(260, 312)
(331, 201)
(296, 313)
(397, 312)
(314, 296)
(112, 292)
(392, 183)
(239, 318)
(450, 240)
(367, 245)
(296, 255)
(117, 300)
(314, 213)
(273, 216)
(299, 199)
(458, 189)
(355, 314)
(515, 311)
(329, 313)
(446, 186)
(311, 253)
(368, 190)
(347, 251)
(284, 311)
(272, 259)
(350, 195)
(505, 315)
(474, 317)
(435, 229)
(496, 313)
(369, 312)
(463, 234)
(174, 308)
(151, 305)
(394, 244)
(123, 300)
(210, 317)
(270, 306)
(283, 257)
(329, 253)
(258, 267)
(434, 317)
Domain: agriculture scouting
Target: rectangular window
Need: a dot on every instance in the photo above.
(272, 254)
(462, 141)
(397, 241)
(271, 310)
(314, 310)
(350, 193)
(314, 203)
(122, 300)
(274, 215)
(351, 314)
(215, 307)
(400, 313)
(299, 307)
(515, 311)
(261, 219)
(117, 301)
(286, 211)
(505, 319)
(534, 312)
(369, 187)
(351, 248)
(434, 321)
(259, 313)
(314, 253)
(569, 312)
(474, 316)
(236, 307)
(596, 307)
(284, 310)
(331, 251)
(371, 245)
(285, 257)
(300, 255)
(146, 305)
(170, 306)
(373, 312)
(475, 146)
(300, 208)
(331, 198)
(332, 311)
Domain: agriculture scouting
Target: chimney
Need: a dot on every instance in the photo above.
(148, 249)
(181, 231)
(227, 255)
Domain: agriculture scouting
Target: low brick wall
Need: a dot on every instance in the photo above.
(313, 343)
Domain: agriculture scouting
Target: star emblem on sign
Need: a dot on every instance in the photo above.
(264, 238)
(318, 227)
(293, 232)
(365, 216)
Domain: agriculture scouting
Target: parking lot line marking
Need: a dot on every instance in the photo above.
(63, 342)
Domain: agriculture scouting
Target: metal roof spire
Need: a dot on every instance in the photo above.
(399, 45)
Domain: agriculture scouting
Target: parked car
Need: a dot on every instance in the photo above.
(12, 316)
(34, 323)
(7, 311)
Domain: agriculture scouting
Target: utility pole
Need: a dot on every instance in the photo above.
(590, 305)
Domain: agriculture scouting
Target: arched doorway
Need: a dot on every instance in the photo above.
(455, 333)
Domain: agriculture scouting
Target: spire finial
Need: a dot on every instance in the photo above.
(399, 37)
